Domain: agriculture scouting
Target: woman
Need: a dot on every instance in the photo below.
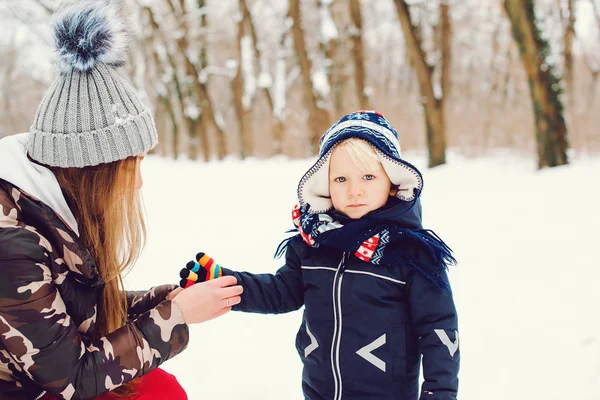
(71, 222)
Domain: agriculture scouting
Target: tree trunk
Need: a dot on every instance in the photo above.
(318, 118)
(279, 96)
(8, 67)
(176, 137)
(446, 49)
(277, 122)
(338, 54)
(551, 131)
(221, 139)
(432, 104)
(243, 105)
(591, 66)
(594, 72)
(569, 36)
(196, 132)
(199, 90)
(495, 78)
(328, 45)
(359, 55)
(166, 97)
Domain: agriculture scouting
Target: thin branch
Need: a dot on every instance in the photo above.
(596, 13)
(27, 24)
(46, 8)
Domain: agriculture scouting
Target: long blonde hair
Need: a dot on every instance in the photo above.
(109, 212)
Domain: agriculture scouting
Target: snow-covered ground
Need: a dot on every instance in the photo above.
(526, 286)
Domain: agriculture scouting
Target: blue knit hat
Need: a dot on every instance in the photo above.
(372, 127)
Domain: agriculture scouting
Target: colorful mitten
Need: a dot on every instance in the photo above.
(203, 269)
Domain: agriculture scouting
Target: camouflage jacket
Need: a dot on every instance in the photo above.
(48, 300)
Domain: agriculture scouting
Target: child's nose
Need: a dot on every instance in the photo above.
(354, 190)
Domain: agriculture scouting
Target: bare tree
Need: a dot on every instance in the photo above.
(244, 82)
(568, 52)
(495, 77)
(321, 58)
(278, 99)
(7, 72)
(25, 16)
(20, 92)
(590, 62)
(446, 50)
(334, 55)
(202, 63)
(199, 110)
(248, 88)
(433, 100)
(328, 42)
(318, 117)
(359, 54)
(265, 89)
(168, 93)
(550, 127)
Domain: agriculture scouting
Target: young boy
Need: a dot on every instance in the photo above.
(372, 281)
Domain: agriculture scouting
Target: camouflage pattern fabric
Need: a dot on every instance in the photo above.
(49, 287)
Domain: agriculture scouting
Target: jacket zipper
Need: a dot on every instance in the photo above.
(337, 327)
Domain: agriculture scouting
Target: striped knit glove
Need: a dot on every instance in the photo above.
(203, 269)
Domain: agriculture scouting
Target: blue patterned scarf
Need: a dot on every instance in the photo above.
(376, 240)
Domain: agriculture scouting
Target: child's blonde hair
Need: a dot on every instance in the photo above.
(361, 153)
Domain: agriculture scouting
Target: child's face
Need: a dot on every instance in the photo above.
(356, 191)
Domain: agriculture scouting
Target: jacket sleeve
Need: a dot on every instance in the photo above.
(435, 322)
(272, 294)
(44, 343)
(138, 302)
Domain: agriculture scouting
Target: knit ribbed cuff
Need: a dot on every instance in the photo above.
(128, 137)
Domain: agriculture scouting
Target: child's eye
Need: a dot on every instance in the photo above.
(369, 177)
(340, 179)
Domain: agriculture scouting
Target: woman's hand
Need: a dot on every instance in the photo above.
(207, 300)
(173, 293)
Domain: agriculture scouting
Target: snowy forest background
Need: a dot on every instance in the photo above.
(470, 83)
(265, 77)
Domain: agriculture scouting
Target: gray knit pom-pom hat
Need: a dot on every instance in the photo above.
(90, 115)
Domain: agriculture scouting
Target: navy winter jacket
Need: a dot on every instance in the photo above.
(365, 326)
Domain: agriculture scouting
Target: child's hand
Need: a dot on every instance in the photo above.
(203, 269)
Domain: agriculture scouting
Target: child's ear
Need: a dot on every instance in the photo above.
(394, 191)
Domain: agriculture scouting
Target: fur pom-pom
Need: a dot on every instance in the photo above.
(88, 32)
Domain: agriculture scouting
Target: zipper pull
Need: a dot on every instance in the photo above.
(345, 258)
(348, 255)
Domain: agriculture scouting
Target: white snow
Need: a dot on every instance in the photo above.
(231, 64)
(526, 286)
(220, 121)
(265, 80)
(438, 92)
(327, 28)
(191, 109)
(320, 82)
(279, 88)
(248, 76)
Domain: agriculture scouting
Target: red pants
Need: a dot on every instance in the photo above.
(155, 385)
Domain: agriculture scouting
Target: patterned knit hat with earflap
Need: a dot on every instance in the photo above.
(90, 115)
(374, 128)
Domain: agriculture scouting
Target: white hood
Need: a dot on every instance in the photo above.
(34, 179)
